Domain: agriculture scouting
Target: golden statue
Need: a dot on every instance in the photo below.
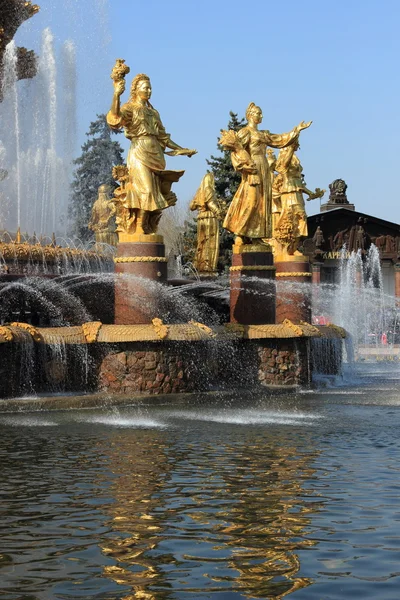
(210, 212)
(291, 225)
(148, 188)
(275, 184)
(250, 213)
(102, 221)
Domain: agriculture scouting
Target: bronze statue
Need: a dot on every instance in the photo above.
(318, 238)
(360, 238)
(390, 246)
(210, 212)
(249, 215)
(102, 219)
(291, 227)
(337, 192)
(148, 189)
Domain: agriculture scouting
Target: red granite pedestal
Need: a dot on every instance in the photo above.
(140, 260)
(252, 291)
(293, 302)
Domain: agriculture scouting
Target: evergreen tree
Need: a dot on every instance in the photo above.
(94, 168)
(189, 240)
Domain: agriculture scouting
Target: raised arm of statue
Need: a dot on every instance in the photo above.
(114, 116)
(281, 140)
(313, 195)
(178, 150)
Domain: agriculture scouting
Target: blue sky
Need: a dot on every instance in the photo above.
(334, 62)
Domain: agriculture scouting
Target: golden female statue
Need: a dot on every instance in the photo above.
(102, 221)
(250, 213)
(291, 226)
(148, 187)
(210, 212)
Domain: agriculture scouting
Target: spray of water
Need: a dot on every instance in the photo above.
(10, 87)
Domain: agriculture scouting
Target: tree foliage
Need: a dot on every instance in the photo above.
(93, 168)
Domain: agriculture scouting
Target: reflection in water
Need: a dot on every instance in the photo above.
(207, 517)
(206, 502)
(142, 467)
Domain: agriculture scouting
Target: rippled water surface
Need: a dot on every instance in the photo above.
(293, 496)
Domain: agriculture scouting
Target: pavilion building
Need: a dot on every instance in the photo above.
(339, 230)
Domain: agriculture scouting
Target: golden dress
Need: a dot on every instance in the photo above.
(143, 127)
(206, 203)
(102, 218)
(250, 212)
(292, 186)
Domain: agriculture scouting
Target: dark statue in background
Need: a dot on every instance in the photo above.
(337, 194)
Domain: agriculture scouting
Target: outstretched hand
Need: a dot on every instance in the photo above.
(119, 87)
(182, 152)
(187, 152)
(317, 194)
(303, 125)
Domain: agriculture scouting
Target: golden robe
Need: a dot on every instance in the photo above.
(206, 203)
(292, 185)
(143, 127)
(250, 212)
(102, 220)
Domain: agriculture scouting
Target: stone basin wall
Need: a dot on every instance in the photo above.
(286, 365)
(189, 367)
(135, 369)
(153, 369)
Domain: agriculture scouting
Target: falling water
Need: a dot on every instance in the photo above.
(69, 95)
(10, 87)
(48, 71)
(357, 301)
(39, 132)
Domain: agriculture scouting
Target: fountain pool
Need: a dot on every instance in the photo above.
(248, 499)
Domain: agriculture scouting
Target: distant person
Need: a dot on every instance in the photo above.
(384, 340)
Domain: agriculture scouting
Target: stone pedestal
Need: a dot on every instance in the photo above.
(333, 205)
(140, 260)
(252, 293)
(316, 273)
(293, 302)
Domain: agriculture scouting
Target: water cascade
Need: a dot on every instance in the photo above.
(39, 132)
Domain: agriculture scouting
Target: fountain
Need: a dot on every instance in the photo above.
(62, 305)
(38, 143)
(208, 466)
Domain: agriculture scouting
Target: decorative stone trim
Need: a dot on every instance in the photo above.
(30, 329)
(160, 329)
(203, 327)
(6, 335)
(91, 331)
(143, 238)
(293, 274)
(295, 328)
(338, 330)
(131, 259)
(253, 268)
(245, 248)
(310, 330)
